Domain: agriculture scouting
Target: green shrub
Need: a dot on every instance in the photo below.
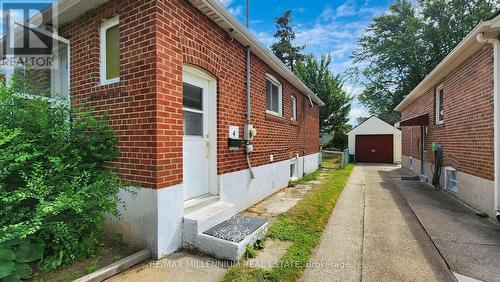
(54, 182)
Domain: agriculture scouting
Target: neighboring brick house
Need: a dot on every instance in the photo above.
(456, 106)
(171, 76)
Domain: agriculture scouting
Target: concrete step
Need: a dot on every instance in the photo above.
(200, 202)
(200, 218)
(228, 240)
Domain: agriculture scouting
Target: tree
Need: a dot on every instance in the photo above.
(392, 55)
(340, 138)
(399, 48)
(284, 49)
(317, 76)
(449, 21)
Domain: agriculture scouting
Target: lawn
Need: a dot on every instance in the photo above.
(302, 225)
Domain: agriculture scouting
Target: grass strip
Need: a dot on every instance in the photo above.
(302, 225)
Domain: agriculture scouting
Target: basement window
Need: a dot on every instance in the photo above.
(439, 104)
(451, 179)
(110, 51)
(293, 170)
(273, 95)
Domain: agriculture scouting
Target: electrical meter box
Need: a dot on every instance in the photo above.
(249, 132)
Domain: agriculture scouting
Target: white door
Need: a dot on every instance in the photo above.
(196, 140)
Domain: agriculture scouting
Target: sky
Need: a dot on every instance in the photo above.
(324, 27)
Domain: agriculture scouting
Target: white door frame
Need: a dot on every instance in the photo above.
(212, 123)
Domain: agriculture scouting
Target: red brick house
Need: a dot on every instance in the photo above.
(457, 106)
(171, 75)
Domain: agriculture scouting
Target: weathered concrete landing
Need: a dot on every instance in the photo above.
(469, 244)
(374, 236)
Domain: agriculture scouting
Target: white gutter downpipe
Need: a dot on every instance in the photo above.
(496, 111)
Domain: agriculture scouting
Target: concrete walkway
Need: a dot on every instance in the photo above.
(469, 244)
(374, 236)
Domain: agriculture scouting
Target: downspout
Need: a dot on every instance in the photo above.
(249, 146)
(496, 111)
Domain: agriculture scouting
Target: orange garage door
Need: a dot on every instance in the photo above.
(374, 149)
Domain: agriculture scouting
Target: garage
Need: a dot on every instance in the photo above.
(374, 149)
(375, 141)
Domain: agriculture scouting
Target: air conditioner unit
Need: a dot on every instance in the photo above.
(450, 179)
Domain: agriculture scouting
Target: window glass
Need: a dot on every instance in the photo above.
(192, 97)
(293, 170)
(192, 123)
(273, 97)
(294, 108)
(112, 52)
(441, 105)
(268, 95)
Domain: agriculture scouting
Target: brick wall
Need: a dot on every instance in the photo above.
(145, 108)
(467, 132)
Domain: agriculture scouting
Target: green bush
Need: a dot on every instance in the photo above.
(55, 186)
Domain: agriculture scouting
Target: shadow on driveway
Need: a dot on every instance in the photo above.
(469, 244)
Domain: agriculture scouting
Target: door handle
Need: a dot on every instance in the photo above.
(207, 147)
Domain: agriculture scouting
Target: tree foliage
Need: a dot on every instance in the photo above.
(284, 49)
(55, 186)
(340, 138)
(317, 75)
(399, 48)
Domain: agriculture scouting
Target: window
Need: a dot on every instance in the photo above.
(110, 52)
(294, 107)
(273, 96)
(439, 105)
(293, 170)
(192, 104)
(451, 179)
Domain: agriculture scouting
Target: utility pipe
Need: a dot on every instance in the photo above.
(496, 111)
(249, 147)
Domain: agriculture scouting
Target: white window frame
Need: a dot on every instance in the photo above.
(293, 106)
(104, 27)
(276, 82)
(438, 104)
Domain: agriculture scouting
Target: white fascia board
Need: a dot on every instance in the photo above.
(467, 47)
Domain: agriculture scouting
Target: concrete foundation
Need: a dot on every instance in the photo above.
(150, 219)
(153, 218)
